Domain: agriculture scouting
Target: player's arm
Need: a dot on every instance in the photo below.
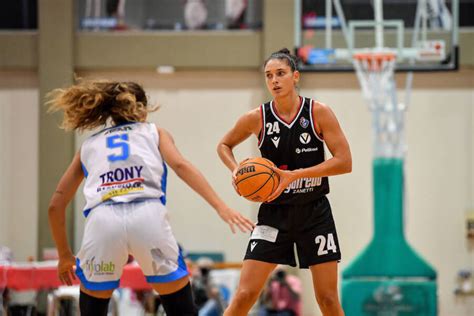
(328, 127)
(63, 195)
(250, 123)
(194, 178)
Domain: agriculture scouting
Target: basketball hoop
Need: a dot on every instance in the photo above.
(375, 60)
(375, 71)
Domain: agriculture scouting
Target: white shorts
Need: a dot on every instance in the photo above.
(139, 228)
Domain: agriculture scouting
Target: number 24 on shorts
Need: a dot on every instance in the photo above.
(325, 244)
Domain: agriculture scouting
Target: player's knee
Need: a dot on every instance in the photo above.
(93, 306)
(327, 300)
(244, 295)
(179, 303)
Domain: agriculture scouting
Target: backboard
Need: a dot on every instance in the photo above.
(423, 34)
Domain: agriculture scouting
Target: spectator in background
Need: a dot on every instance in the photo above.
(207, 295)
(282, 296)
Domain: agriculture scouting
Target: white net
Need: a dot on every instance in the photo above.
(375, 71)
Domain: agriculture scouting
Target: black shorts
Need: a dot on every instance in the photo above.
(310, 226)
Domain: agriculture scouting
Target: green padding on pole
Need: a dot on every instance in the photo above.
(389, 298)
(388, 254)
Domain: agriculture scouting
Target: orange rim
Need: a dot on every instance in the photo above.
(374, 60)
(374, 56)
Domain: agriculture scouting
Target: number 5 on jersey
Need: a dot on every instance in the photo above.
(121, 142)
(323, 247)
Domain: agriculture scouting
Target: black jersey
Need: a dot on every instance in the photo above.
(293, 145)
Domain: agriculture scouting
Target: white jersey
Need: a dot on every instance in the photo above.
(123, 164)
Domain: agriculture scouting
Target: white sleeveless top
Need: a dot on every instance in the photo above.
(123, 164)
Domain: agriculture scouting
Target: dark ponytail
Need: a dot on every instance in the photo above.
(284, 54)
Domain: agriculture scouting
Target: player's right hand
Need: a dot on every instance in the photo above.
(234, 218)
(234, 176)
(66, 269)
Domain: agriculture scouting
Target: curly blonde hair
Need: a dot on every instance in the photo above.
(90, 104)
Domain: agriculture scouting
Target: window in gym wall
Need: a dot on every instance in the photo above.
(314, 11)
(177, 15)
(19, 15)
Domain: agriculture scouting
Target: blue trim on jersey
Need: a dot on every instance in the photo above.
(86, 212)
(110, 202)
(84, 170)
(94, 286)
(181, 272)
(164, 183)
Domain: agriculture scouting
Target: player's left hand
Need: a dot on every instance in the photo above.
(286, 177)
(234, 218)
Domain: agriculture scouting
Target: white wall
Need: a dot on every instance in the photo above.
(439, 181)
(19, 171)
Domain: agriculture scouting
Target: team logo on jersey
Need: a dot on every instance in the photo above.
(276, 141)
(304, 122)
(305, 138)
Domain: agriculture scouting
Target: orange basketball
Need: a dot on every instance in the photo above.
(256, 180)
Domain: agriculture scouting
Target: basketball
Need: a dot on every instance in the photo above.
(255, 180)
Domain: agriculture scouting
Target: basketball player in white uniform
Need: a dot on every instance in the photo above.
(125, 190)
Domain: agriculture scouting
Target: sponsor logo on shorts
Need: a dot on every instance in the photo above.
(99, 268)
(252, 245)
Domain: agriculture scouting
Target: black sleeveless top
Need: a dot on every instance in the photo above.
(293, 145)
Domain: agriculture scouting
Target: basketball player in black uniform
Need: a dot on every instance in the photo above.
(291, 132)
